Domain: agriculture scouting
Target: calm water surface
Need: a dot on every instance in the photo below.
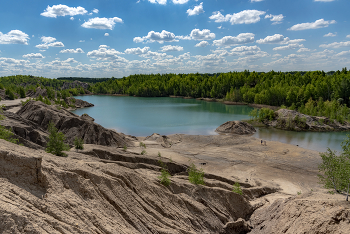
(143, 116)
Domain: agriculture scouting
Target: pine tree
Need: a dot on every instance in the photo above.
(56, 144)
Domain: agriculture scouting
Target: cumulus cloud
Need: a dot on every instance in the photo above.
(243, 17)
(228, 41)
(276, 19)
(162, 2)
(49, 42)
(180, 1)
(330, 35)
(196, 10)
(14, 37)
(289, 47)
(336, 44)
(102, 23)
(33, 56)
(348, 36)
(103, 53)
(199, 35)
(171, 48)
(321, 23)
(63, 10)
(95, 11)
(303, 50)
(278, 39)
(106, 34)
(202, 44)
(137, 50)
(343, 53)
(159, 37)
(72, 51)
(71, 18)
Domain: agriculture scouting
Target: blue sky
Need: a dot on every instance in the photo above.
(105, 38)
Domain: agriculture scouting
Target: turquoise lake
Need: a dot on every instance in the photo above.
(139, 116)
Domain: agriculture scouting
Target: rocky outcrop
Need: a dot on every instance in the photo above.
(31, 124)
(43, 193)
(75, 84)
(309, 213)
(77, 103)
(293, 120)
(236, 127)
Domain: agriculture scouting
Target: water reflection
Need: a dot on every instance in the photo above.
(310, 140)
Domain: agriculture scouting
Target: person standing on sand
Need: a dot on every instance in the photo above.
(261, 142)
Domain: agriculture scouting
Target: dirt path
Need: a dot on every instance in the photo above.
(13, 105)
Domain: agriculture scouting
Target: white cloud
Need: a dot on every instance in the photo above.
(199, 35)
(348, 36)
(63, 10)
(330, 35)
(71, 18)
(106, 34)
(171, 48)
(95, 11)
(102, 23)
(228, 41)
(159, 37)
(137, 50)
(324, 0)
(162, 2)
(47, 39)
(278, 39)
(303, 50)
(202, 44)
(180, 1)
(256, 0)
(321, 23)
(343, 53)
(103, 53)
(72, 51)
(243, 17)
(196, 10)
(82, 41)
(336, 44)
(246, 48)
(49, 42)
(14, 37)
(289, 47)
(276, 19)
(33, 56)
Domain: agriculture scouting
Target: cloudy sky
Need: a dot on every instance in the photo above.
(105, 38)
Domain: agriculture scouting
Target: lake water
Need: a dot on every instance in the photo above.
(143, 116)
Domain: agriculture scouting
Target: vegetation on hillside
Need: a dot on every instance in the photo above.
(335, 169)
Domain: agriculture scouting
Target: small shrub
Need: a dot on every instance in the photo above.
(195, 176)
(56, 144)
(26, 101)
(299, 192)
(78, 143)
(237, 189)
(125, 147)
(142, 145)
(164, 177)
(143, 152)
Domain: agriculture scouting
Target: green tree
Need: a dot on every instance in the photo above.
(56, 144)
(335, 169)
(22, 93)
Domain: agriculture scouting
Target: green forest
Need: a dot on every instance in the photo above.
(313, 92)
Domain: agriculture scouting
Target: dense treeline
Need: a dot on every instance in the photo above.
(314, 92)
(271, 88)
(84, 79)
